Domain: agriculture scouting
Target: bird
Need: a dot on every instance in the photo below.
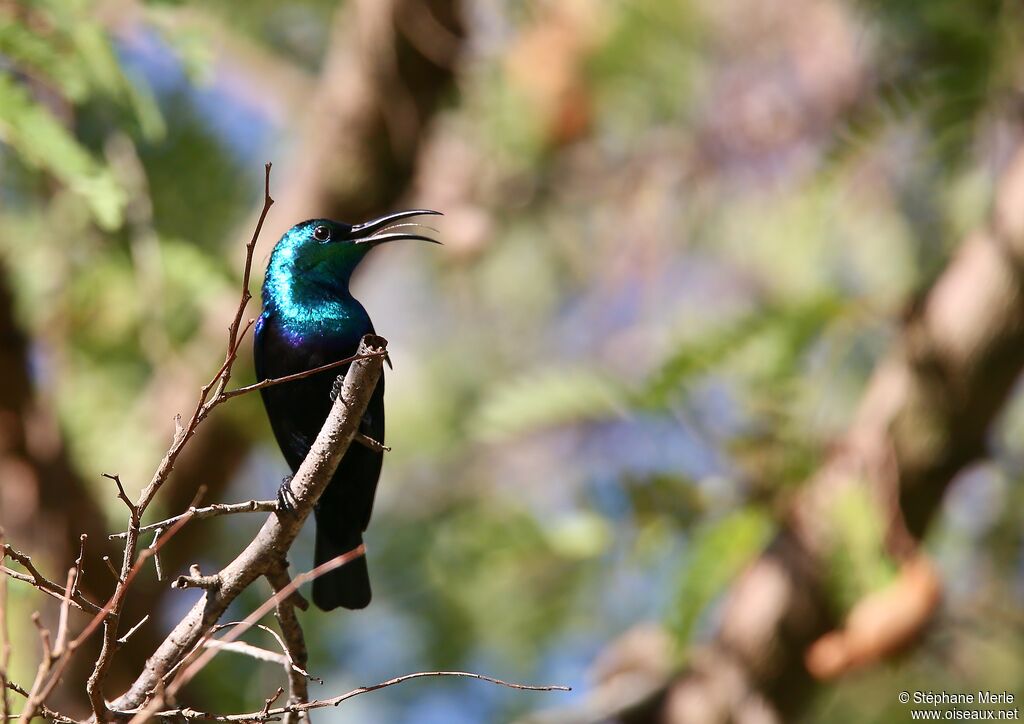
(309, 318)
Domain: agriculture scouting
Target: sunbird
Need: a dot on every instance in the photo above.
(310, 319)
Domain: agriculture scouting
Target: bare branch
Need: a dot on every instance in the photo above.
(37, 579)
(184, 432)
(79, 562)
(132, 508)
(233, 337)
(277, 532)
(36, 695)
(5, 643)
(156, 556)
(266, 714)
(287, 661)
(227, 395)
(196, 579)
(369, 442)
(116, 600)
(295, 649)
(124, 639)
(270, 700)
(210, 511)
(43, 711)
(55, 661)
(62, 622)
(247, 649)
(110, 567)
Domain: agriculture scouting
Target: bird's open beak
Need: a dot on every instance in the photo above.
(379, 230)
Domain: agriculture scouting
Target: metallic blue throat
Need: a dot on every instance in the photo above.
(306, 292)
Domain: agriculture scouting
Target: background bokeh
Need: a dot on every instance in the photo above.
(679, 235)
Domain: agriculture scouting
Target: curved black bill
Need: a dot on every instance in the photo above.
(360, 232)
(397, 236)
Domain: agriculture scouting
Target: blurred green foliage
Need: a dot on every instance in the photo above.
(719, 550)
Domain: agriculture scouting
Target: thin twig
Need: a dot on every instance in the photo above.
(37, 579)
(210, 511)
(16, 689)
(211, 395)
(266, 714)
(44, 711)
(289, 660)
(94, 684)
(114, 603)
(5, 644)
(228, 394)
(132, 508)
(298, 688)
(156, 557)
(246, 294)
(250, 650)
(62, 622)
(368, 442)
(124, 639)
(79, 562)
(270, 700)
(184, 433)
(207, 583)
(35, 694)
(110, 567)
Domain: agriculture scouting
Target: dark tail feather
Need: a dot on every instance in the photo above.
(347, 586)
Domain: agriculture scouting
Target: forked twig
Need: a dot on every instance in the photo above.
(37, 579)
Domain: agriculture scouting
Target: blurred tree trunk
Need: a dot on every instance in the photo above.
(924, 416)
(44, 505)
(389, 66)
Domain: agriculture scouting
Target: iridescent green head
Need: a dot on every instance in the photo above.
(310, 267)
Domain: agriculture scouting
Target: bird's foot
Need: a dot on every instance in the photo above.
(375, 445)
(286, 501)
(339, 382)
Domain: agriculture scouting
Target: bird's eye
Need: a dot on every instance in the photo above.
(322, 233)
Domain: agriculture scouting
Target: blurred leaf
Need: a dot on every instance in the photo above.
(947, 56)
(93, 53)
(104, 308)
(717, 553)
(782, 330)
(42, 141)
(488, 560)
(40, 57)
(773, 336)
(581, 534)
(547, 398)
(676, 497)
(858, 559)
(645, 71)
(191, 277)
